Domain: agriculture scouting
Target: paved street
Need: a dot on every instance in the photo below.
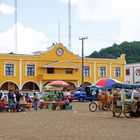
(78, 124)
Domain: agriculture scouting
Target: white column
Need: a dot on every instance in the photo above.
(110, 70)
(94, 72)
(40, 86)
(20, 74)
(78, 83)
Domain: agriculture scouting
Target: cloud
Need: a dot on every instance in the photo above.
(130, 22)
(104, 9)
(124, 12)
(6, 9)
(28, 40)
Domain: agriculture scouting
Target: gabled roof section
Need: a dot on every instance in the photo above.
(52, 53)
(61, 64)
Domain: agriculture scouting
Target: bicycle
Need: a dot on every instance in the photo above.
(106, 105)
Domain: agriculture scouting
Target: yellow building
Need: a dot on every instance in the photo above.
(32, 72)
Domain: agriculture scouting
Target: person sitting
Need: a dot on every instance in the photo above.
(2, 105)
(67, 102)
(28, 99)
(137, 113)
(87, 90)
(95, 93)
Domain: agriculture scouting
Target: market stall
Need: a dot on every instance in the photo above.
(53, 95)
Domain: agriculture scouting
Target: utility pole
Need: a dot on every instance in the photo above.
(83, 38)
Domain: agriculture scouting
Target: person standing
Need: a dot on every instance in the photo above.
(0, 95)
(10, 100)
(18, 96)
(35, 100)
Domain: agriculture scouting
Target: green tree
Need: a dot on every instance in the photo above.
(131, 49)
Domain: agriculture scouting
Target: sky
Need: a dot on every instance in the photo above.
(105, 22)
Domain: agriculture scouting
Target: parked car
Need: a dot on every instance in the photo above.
(87, 93)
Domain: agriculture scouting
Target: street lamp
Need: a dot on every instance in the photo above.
(83, 38)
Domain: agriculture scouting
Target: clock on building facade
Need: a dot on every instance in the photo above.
(59, 51)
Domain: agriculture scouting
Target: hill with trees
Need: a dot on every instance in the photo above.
(131, 49)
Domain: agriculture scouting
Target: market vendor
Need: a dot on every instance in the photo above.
(66, 103)
(60, 96)
(137, 114)
(136, 105)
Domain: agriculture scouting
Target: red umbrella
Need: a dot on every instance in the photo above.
(58, 83)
